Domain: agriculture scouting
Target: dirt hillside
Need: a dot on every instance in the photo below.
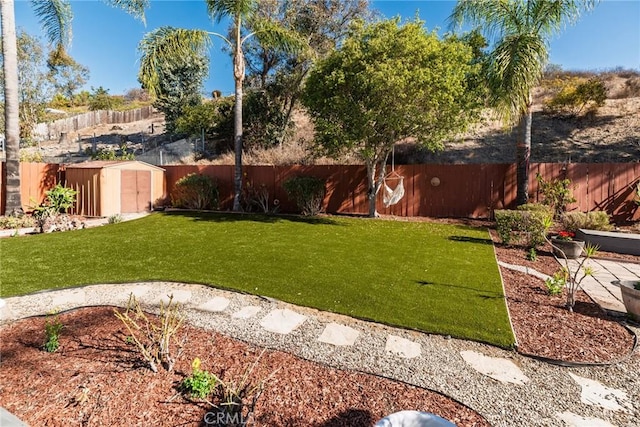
(612, 134)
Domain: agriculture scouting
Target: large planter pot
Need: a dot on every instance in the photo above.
(631, 297)
(571, 248)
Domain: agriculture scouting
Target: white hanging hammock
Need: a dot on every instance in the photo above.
(392, 196)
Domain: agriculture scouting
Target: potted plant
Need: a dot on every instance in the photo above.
(631, 297)
(564, 245)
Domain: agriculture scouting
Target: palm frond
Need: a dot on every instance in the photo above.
(515, 67)
(167, 44)
(275, 36)
(134, 8)
(219, 9)
(495, 17)
(55, 17)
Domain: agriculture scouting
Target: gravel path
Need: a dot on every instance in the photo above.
(551, 394)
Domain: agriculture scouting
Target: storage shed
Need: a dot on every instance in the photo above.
(108, 188)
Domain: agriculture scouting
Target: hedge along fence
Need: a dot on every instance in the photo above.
(474, 190)
(52, 130)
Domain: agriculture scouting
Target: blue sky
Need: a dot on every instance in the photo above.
(105, 39)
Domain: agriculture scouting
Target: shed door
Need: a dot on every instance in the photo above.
(135, 191)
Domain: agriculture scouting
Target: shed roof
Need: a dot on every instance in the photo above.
(114, 164)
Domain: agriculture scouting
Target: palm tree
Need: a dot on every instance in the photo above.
(13, 203)
(520, 30)
(168, 44)
(55, 17)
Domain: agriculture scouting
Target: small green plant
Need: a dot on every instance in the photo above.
(52, 329)
(636, 285)
(556, 193)
(200, 384)
(557, 282)
(636, 200)
(57, 200)
(532, 255)
(575, 277)
(195, 191)
(155, 338)
(308, 193)
(115, 219)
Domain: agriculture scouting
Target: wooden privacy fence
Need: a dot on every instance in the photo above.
(474, 190)
(52, 130)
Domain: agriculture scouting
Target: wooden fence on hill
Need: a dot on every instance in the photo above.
(52, 130)
(473, 191)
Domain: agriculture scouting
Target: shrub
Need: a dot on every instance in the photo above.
(195, 191)
(155, 339)
(596, 220)
(526, 225)
(578, 96)
(58, 200)
(556, 194)
(9, 222)
(308, 193)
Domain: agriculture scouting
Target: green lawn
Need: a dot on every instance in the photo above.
(432, 277)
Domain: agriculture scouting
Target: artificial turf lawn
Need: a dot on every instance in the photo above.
(433, 277)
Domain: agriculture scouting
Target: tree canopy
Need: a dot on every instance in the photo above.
(390, 82)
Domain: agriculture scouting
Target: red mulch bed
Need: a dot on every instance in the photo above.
(543, 325)
(47, 389)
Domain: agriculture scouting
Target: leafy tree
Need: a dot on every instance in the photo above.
(389, 82)
(55, 18)
(101, 100)
(520, 31)
(180, 79)
(169, 44)
(35, 84)
(67, 75)
(214, 118)
(277, 76)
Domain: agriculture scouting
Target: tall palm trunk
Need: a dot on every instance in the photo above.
(13, 203)
(523, 155)
(238, 75)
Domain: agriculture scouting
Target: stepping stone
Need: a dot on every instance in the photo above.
(215, 304)
(247, 312)
(4, 311)
(595, 393)
(402, 347)
(497, 368)
(338, 335)
(181, 297)
(70, 297)
(7, 419)
(573, 420)
(282, 321)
